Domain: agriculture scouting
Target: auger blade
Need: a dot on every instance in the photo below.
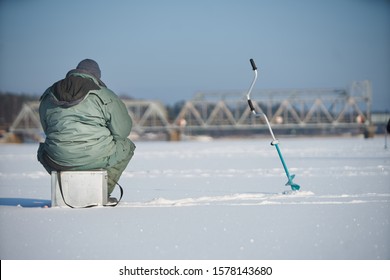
(294, 187)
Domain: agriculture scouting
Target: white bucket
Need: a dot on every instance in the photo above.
(79, 188)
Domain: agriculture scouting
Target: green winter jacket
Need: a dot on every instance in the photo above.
(83, 121)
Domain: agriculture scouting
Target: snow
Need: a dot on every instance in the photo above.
(221, 199)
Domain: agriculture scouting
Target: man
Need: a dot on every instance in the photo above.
(86, 125)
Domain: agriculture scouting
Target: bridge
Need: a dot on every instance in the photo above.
(316, 111)
(305, 108)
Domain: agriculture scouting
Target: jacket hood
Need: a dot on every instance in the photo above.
(72, 90)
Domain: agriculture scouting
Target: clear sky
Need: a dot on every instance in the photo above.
(170, 49)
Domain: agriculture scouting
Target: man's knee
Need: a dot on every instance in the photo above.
(41, 158)
(124, 152)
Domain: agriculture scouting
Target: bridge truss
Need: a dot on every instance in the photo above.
(334, 110)
(324, 109)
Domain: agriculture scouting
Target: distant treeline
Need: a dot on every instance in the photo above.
(10, 106)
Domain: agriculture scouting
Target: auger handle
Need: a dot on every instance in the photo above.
(251, 87)
(253, 64)
(251, 105)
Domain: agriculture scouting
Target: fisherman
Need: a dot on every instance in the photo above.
(86, 125)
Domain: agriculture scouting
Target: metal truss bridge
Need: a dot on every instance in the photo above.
(334, 110)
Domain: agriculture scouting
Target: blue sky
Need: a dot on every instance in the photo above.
(168, 50)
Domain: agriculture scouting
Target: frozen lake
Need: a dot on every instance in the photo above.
(222, 199)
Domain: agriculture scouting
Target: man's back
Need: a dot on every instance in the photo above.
(86, 126)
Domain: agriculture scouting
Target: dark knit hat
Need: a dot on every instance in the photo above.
(90, 66)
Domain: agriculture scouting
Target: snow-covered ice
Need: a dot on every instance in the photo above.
(223, 199)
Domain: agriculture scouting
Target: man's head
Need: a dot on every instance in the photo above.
(90, 66)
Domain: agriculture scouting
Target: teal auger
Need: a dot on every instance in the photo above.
(275, 142)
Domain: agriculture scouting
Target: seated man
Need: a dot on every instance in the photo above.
(86, 125)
